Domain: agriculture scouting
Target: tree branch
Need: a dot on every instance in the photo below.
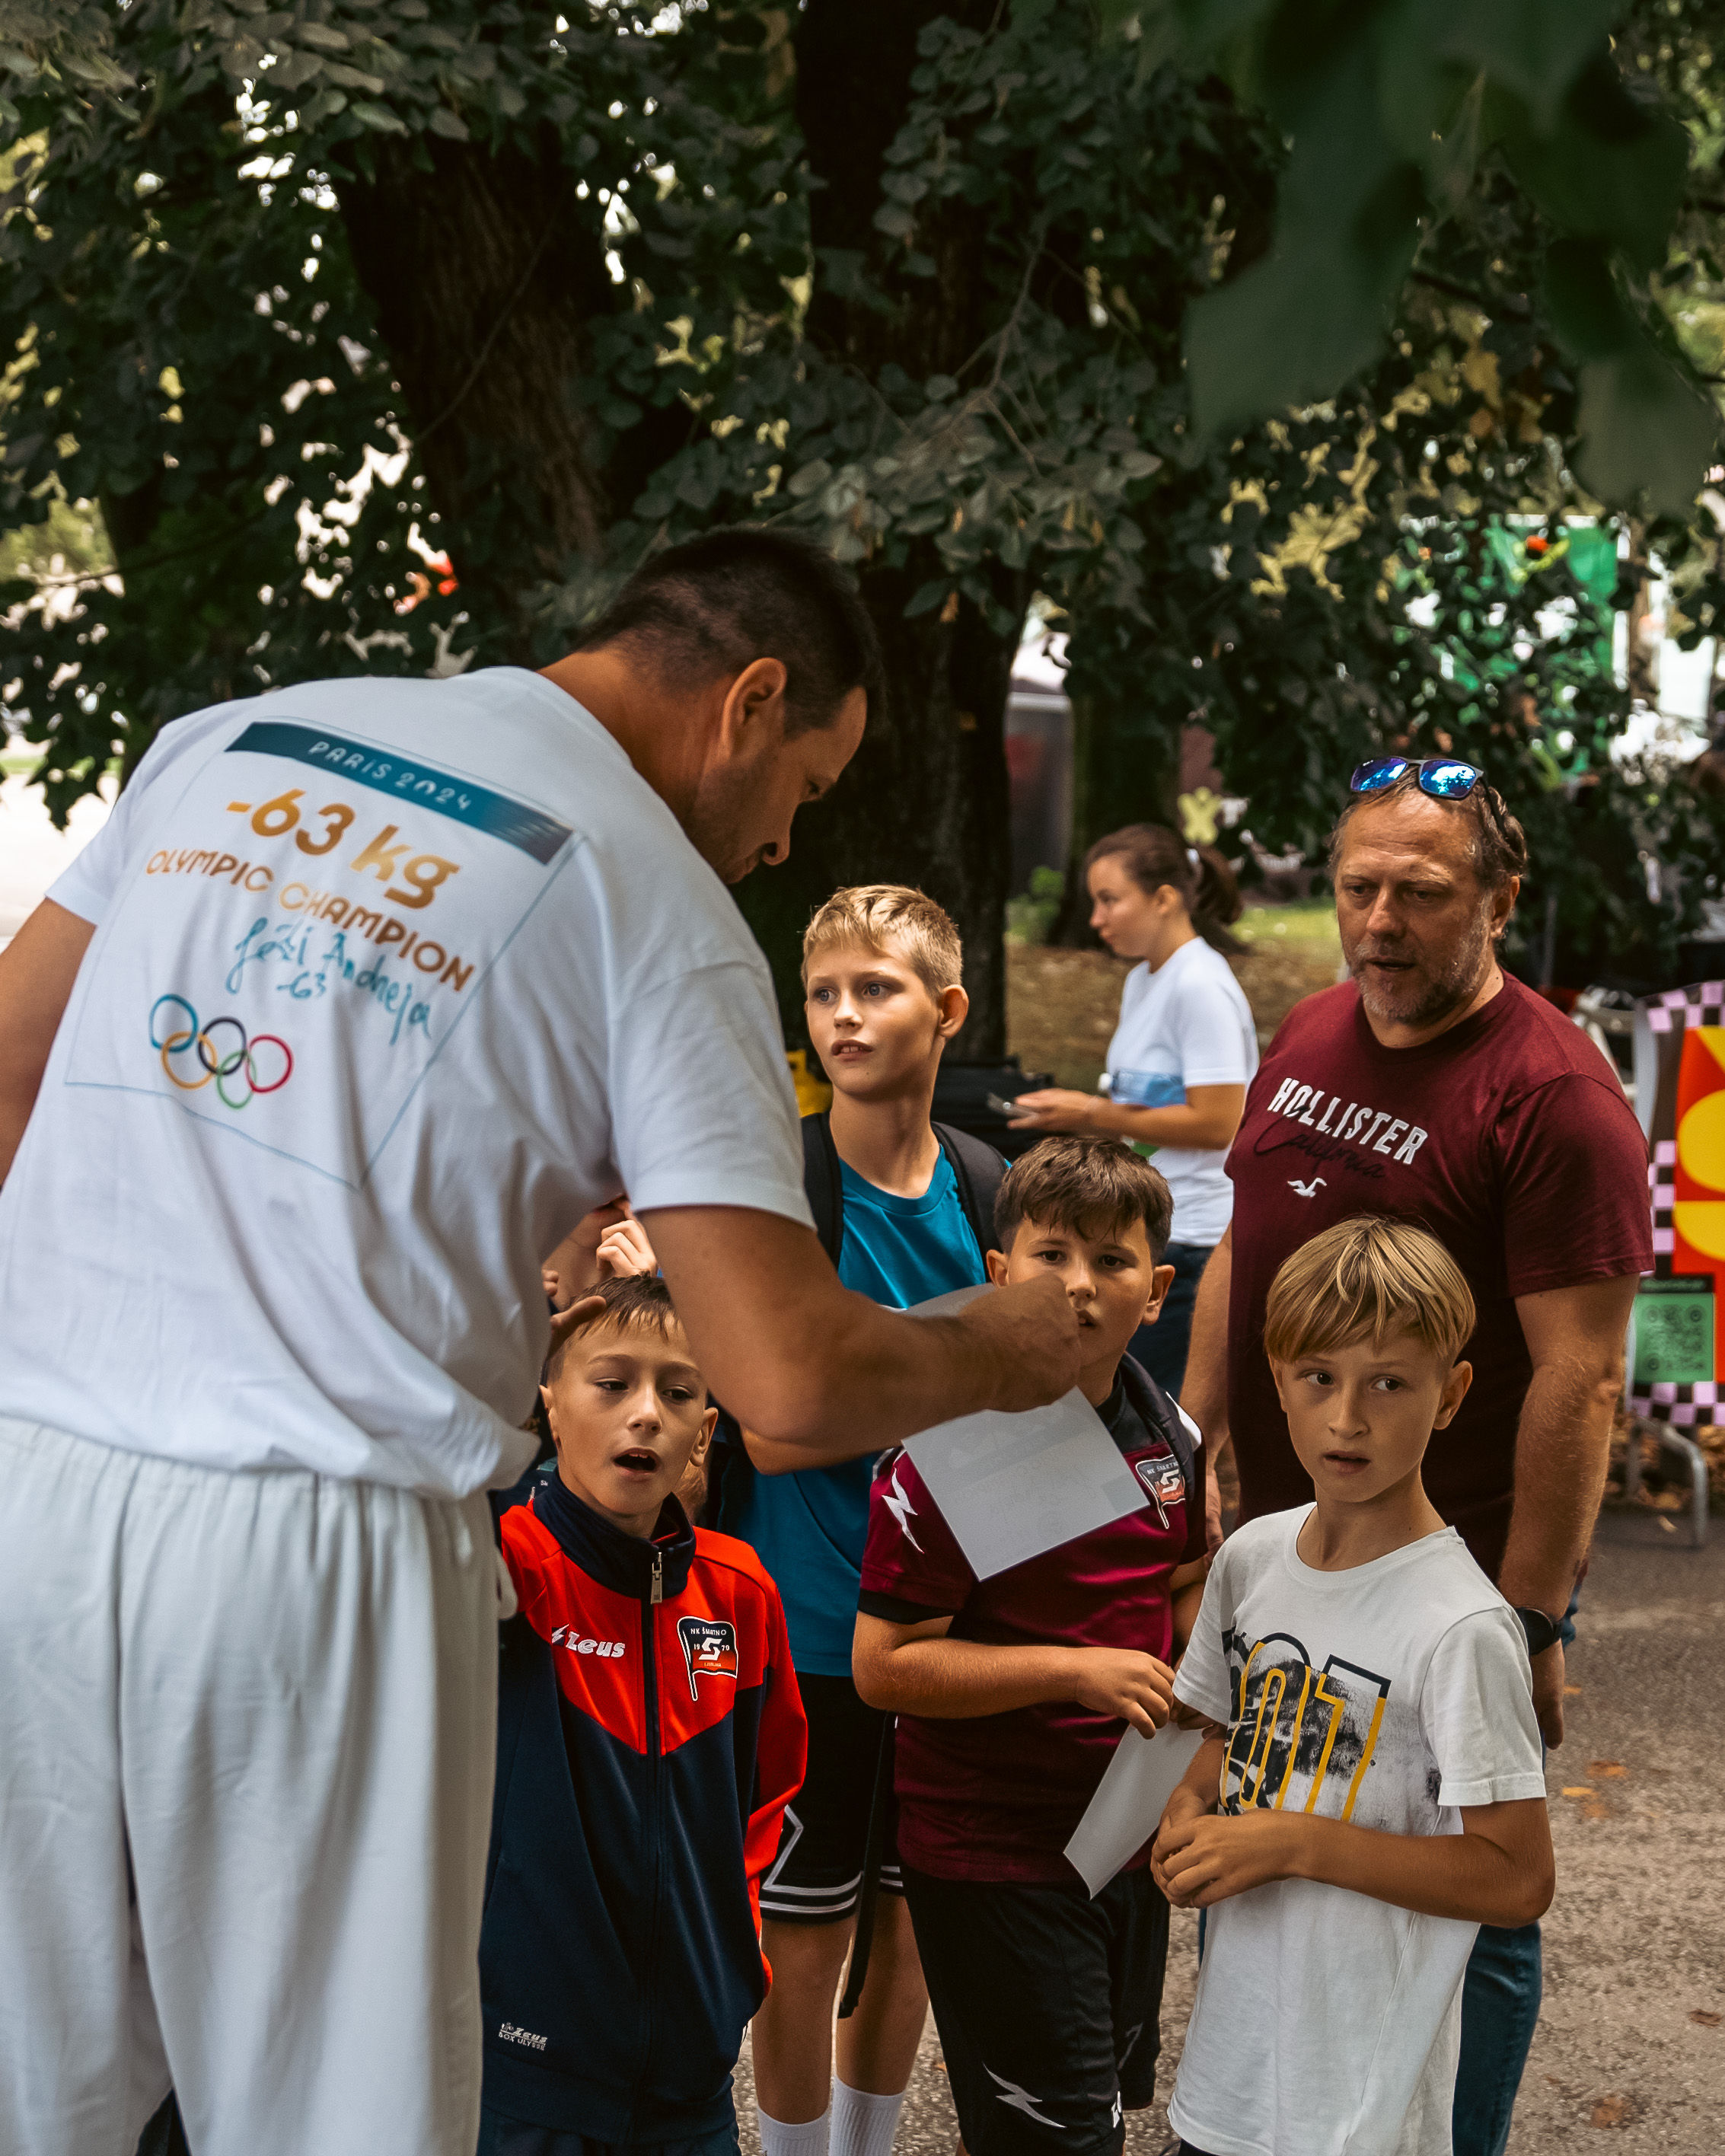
(1508, 306)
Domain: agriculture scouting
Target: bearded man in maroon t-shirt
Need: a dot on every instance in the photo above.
(1435, 1088)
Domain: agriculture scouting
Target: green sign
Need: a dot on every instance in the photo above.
(1674, 1333)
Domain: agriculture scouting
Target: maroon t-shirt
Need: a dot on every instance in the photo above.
(1508, 1136)
(998, 1797)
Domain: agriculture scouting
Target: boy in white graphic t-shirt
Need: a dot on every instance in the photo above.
(1373, 1790)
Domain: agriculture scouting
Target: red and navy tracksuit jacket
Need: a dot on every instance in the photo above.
(650, 1735)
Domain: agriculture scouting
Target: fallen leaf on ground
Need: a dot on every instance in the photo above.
(1579, 1789)
(1607, 1770)
(1597, 1808)
(1572, 1691)
(1610, 2110)
(1702, 2019)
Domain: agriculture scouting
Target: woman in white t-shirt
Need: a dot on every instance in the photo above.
(1182, 1056)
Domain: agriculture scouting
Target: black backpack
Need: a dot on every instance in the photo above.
(978, 1170)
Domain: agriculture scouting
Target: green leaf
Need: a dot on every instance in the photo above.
(441, 120)
(324, 36)
(810, 479)
(1583, 300)
(927, 596)
(1534, 48)
(380, 117)
(1647, 435)
(1610, 170)
(894, 219)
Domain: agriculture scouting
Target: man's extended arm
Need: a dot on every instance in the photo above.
(37, 970)
(805, 1361)
(1204, 1393)
(1575, 1336)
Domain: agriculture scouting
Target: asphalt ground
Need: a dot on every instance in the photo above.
(1630, 2052)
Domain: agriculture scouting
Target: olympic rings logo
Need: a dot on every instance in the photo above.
(220, 1064)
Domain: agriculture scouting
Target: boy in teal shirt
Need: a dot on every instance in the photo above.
(881, 971)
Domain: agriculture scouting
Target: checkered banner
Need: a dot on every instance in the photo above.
(1687, 1196)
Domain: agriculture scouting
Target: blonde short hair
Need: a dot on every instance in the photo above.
(897, 922)
(1368, 1279)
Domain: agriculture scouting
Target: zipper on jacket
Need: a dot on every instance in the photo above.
(655, 1838)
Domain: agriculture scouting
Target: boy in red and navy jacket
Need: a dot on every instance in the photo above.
(649, 1736)
(1013, 1692)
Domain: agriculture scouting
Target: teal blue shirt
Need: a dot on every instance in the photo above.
(809, 1528)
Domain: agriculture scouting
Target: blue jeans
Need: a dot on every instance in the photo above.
(1500, 2007)
(1161, 1347)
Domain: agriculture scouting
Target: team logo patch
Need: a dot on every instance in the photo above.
(709, 1648)
(1162, 1477)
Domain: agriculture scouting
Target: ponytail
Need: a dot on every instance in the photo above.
(1200, 877)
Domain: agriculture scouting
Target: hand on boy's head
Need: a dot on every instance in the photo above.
(573, 1266)
(565, 1322)
(624, 1252)
(875, 1023)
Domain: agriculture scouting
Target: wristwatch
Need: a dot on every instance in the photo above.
(1542, 1631)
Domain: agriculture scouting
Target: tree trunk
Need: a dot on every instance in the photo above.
(1125, 769)
(926, 800)
(485, 275)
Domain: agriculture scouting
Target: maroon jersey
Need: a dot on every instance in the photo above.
(1508, 1137)
(997, 1797)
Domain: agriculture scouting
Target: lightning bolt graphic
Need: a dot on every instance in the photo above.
(903, 1512)
(1017, 2099)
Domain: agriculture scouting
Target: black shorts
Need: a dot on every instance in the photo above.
(1047, 2005)
(502, 2136)
(816, 1878)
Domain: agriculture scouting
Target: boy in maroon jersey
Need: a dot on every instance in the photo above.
(1013, 1692)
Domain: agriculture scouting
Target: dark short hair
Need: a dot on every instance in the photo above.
(714, 604)
(641, 1302)
(1090, 1186)
(1499, 844)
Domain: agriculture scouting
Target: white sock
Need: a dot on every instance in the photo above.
(863, 2125)
(810, 2139)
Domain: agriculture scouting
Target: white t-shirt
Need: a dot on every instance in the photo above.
(392, 982)
(1326, 2024)
(1188, 1023)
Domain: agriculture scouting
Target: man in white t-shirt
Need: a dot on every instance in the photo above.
(1373, 1790)
(367, 992)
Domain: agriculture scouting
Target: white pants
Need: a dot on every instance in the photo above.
(247, 1737)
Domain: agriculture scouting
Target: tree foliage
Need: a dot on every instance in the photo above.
(1235, 333)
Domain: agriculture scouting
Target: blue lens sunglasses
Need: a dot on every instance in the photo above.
(1445, 777)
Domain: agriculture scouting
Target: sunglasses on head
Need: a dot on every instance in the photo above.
(1445, 777)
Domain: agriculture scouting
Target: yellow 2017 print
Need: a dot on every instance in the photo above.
(1303, 1738)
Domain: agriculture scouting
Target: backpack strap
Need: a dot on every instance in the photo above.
(978, 1171)
(823, 1185)
(1169, 1420)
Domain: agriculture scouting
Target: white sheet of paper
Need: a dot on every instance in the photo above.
(1012, 1485)
(1130, 1798)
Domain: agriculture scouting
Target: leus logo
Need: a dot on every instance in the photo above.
(709, 1648)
